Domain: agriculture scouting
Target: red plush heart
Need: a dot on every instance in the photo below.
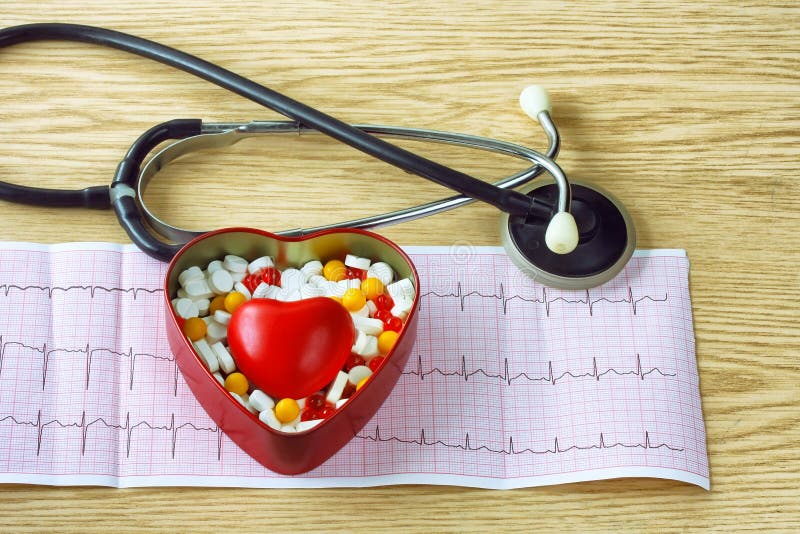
(290, 349)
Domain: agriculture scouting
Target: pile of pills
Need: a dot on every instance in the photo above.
(378, 304)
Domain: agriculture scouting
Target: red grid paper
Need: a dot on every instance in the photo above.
(511, 384)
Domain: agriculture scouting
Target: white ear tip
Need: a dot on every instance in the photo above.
(561, 235)
(534, 99)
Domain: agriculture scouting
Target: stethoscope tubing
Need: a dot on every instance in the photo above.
(504, 199)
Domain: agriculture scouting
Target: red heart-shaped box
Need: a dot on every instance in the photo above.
(289, 453)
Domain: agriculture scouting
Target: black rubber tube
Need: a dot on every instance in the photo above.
(507, 200)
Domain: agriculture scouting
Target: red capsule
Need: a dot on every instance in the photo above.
(309, 414)
(382, 315)
(352, 273)
(383, 302)
(251, 282)
(325, 412)
(315, 401)
(353, 361)
(271, 276)
(375, 362)
(393, 323)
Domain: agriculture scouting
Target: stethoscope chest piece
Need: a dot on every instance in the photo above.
(606, 243)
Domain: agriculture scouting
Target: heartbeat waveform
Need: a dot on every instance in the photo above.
(92, 289)
(173, 429)
(546, 300)
(550, 377)
(88, 353)
(41, 426)
(510, 449)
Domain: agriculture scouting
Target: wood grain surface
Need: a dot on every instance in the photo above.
(688, 111)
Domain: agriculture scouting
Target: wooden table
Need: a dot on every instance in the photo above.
(689, 112)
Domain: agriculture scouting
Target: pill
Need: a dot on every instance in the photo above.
(271, 276)
(383, 302)
(316, 280)
(266, 291)
(287, 295)
(357, 374)
(310, 291)
(288, 429)
(237, 383)
(402, 307)
(222, 317)
(353, 300)
(311, 268)
(239, 287)
(205, 352)
(287, 410)
(336, 388)
(292, 279)
(372, 287)
(220, 282)
(334, 270)
(182, 294)
(302, 426)
(239, 277)
(332, 289)
(363, 312)
(202, 306)
(234, 264)
(233, 300)
(198, 289)
(195, 328)
(340, 403)
(401, 289)
(350, 283)
(186, 309)
(261, 401)
(362, 382)
(259, 263)
(246, 402)
(214, 266)
(382, 271)
(192, 273)
(393, 323)
(217, 303)
(357, 262)
(372, 327)
(268, 418)
(224, 357)
(386, 341)
(216, 330)
(220, 379)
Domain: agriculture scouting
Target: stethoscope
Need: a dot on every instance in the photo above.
(572, 236)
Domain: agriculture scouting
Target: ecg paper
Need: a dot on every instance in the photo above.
(510, 384)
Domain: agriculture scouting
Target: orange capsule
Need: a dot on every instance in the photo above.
(372, 287)
(195, 328)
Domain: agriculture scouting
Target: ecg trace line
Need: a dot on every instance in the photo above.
(508, 378)
(41, 426)
(468, 445)
(49, 290)
(510, 449)
(545, 299)
(89, 355)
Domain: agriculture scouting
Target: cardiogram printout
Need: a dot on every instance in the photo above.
(511, 384)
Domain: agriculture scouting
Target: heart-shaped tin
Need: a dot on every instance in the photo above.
(289, 453)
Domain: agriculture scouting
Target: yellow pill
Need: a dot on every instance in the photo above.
(361, 383)
(218, 303)
(233, 300)
(334, 270)
(287, 410)
(237, 383)
(194, 328)
(353, 299)
(387, 340)
(372, 287)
